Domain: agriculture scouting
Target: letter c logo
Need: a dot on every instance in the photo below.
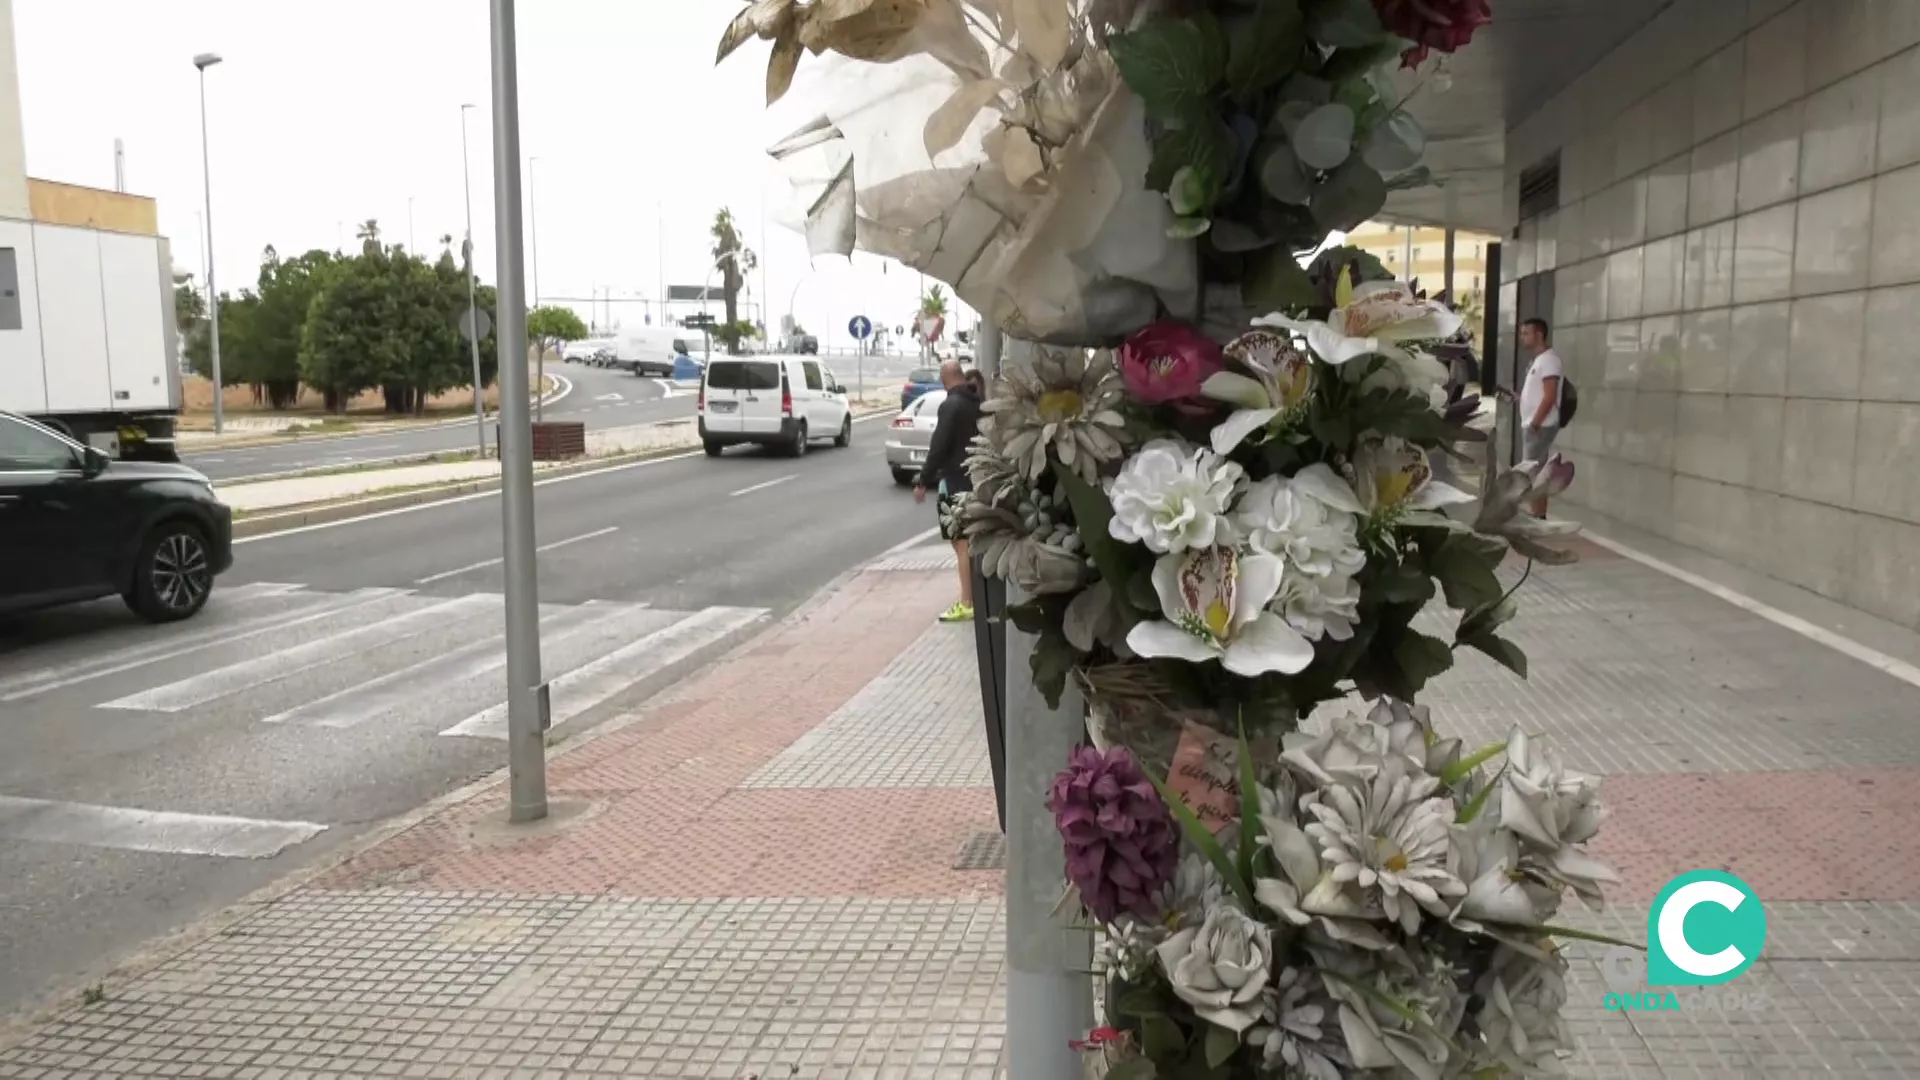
(1728, 929)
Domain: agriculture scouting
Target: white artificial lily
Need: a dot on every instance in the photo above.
(1173, 497)
(1391, 475)
(1215, 601)
(1378, 316)
(1278, 380)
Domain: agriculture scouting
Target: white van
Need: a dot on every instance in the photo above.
(784, 401)
(649, 350)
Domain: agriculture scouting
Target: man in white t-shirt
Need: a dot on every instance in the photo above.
(1540, 397)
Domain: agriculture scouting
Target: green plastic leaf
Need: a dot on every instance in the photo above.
(1203, 144)
(1091, 514)
(1487, 618)
(1221, 1045)
(1052, 661)
(1286, 119)
(1460, 770)
(1465, 565)
(1405, 584)
(1138, 1068)
(1324, 138)
(1276, 281)
(1392, 1004)
(1249, 808)
(1359, 60)
(1395, 146)
(1504, 652)
(1140, 1004)
(1573, 934)
(1266, 50)
(1029, 617)
(1173, 64)
(1421, 658)
(1282, 177)
(1161, 1038)
(1310, 89)
(1351, 195)
(1204, 842)
(1344, 24)
(1478, 803)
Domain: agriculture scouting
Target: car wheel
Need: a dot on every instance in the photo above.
(172, 575)
(798, 448)
(845, 438)
(904, 479)
(713, 448)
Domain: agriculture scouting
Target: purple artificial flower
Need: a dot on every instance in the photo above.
(1166, 364)
(1121, 844)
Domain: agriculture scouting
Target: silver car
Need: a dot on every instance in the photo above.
(910, 434)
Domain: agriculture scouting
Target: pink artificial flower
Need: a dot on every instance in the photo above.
(1446, 25)
(1166, 364)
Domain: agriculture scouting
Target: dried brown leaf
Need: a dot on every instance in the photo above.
(781, 66)
(1043, 26)
(1020, 157)
(951, 120)
(872, 33)
(762, 18)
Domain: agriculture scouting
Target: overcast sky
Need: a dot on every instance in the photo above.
(325, 115)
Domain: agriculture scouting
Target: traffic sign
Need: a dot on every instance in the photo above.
(859, 327)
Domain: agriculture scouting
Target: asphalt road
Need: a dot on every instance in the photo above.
(601, 397)
(348, 673)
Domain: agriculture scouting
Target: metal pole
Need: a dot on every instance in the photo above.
(473, 312)
(203, 62)
(410, 248)
(1049, 997)
(660, 254)
(526, 737)
(533, 252)
(1446, 271)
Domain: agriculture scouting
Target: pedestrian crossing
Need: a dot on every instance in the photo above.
(284, 656)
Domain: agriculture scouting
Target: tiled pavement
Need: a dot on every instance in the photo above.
(756, 878)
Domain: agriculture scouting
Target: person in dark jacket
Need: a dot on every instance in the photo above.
(945, 471)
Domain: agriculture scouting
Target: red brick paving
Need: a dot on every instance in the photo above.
(667, 817)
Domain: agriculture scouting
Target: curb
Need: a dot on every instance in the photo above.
(330, 512)
(393, 428)
(168, 947)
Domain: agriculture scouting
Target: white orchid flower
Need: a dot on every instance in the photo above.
(1278, 380)
(1379, 315)
(1215, 601)
(1391, 475)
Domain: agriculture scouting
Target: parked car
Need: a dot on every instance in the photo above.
(802, 345)
(596, 353)
(76, 525)
(919, 381)
(910, 434)
(771, 401)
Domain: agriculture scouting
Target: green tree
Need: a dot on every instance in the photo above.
(550, 327)
(735, 261)
(732, 334)
(934, 303)
(286, 289)
(236, 321)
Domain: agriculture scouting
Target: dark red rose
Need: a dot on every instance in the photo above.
(1433, 24)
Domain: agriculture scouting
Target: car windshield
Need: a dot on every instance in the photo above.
(923, 375)
(744, 375)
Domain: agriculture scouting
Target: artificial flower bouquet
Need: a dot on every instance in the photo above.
(1224, 548)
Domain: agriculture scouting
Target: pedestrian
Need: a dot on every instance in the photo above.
(978, 382)
(1540, 397)
(945, 471)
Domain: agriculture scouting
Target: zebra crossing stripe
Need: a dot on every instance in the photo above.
(162, 831)
(275, 666)
(586, 686)
(32, 683)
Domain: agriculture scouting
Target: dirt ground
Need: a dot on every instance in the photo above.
(196, 396)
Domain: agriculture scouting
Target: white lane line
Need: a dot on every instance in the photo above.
(162, 831)
(275, 666)
(913, 541)
(1846, 646)
(39, 682)
(441, 504)
(763, 487)
(497, 560)
(590, 684)
(474, 660)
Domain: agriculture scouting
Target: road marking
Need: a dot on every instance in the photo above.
(497, 560)
(1846, 646)
(285, 663)
(667, 389)
(590, 684)
(39, 682)
(440, 504)
(763, 487)
(611, 397)
(163, 831)
(378, 697)
(910, 542)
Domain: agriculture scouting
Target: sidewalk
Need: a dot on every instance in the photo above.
(788, 866)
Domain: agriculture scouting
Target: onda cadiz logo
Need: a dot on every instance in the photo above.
(1706, 928)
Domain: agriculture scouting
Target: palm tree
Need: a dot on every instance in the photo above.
(735, 260)
(369, 236)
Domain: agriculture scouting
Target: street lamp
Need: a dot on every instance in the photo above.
(473, 311)
(203, 62)
(533, 254)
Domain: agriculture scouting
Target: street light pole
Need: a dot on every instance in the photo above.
(203, 62)
(533, 252)
(473, 313)
(526, 718)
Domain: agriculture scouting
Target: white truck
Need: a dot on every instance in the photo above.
(87, 335)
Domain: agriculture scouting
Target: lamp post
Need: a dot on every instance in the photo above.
(203, 62)
(526, 694)
(473, 313)
(533, 262)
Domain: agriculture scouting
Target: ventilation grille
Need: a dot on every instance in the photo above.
(1540, 187)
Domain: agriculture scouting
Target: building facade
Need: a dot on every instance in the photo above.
(1417, 253)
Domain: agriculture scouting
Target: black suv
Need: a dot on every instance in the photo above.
(77, 525)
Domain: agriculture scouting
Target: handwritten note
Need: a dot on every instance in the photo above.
(1206, 775)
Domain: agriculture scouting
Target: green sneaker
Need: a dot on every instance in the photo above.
(958, 613)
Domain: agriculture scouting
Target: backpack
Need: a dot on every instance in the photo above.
(1569, 400)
